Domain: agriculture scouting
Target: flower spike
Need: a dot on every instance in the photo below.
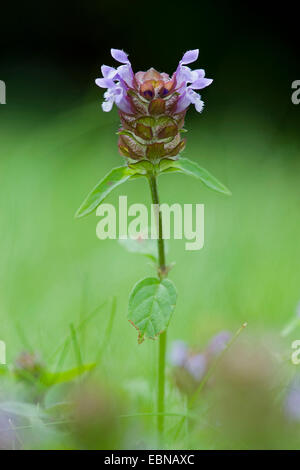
(152, 105)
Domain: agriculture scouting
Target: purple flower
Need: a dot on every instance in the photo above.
(188, 97)
(182, 84)
(188, 80)
(292, 402)
(196, 365)
(152, 105)
(117, 81)
(179, 353)
(218, 342)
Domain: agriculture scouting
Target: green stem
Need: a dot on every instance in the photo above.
(163, 336)
(160, 241)
(161, 387)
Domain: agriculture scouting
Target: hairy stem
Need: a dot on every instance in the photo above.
(163, 336)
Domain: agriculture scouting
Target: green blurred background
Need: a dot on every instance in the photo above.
(56, 143)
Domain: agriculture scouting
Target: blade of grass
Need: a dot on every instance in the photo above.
(23, 338)
(82, 310)
(108, 330)
(81, 325)
(76, 346)
(62, 356)
(107, 335)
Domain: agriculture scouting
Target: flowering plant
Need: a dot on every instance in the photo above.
(152, 108)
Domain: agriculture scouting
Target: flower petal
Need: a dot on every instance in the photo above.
(198, 73)
(107, 105)
(195, 99)
(122, 101)
(104, 82)
(119, 56)
(183, 102)
(183, 75)
(124, 105)
(188, 97)
(201, 83)
(126, 73)
(190, 56)
(108, 72)
(199, 105)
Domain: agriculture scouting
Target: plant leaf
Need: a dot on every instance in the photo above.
(188, 167)
(151, 304)
(113, 179)
(51, 378)
(143, 246)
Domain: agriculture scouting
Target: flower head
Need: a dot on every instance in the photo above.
(152, 105)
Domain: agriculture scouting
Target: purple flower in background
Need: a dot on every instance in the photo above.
(292, 402)
(179, 353)
(152, 105)
(190, 365)
(196, 365)
(218, 343)
(9, 439)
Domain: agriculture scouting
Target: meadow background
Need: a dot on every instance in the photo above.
(56, 143)
(54, 270)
